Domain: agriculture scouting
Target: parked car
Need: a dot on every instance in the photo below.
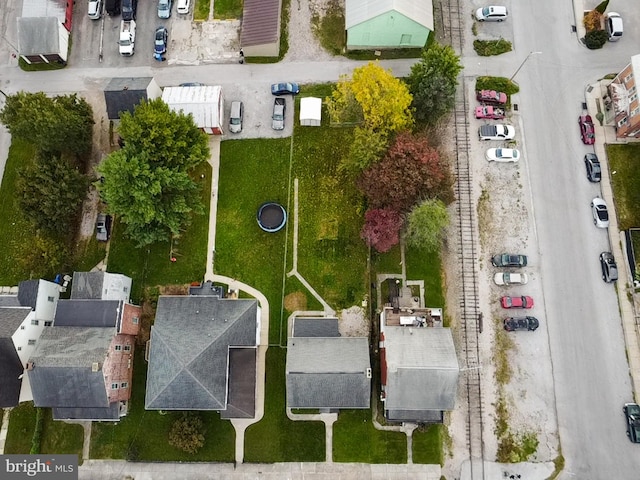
(285, 89)
(183, 7)
(490, 112)
(511, 324)
(613, 25)
(509, 260)
(600, 213)
(492, 14)
(279, 108)
(129, 8)
(112, 7)
(95, 9)
(503, 155)
(632, 415)
(516, 302)
(587, 131)
(496, 132)
(103, 227)
(609, 267)
(161, 40)
(508, 278)
(164, 8)
(235, 117)
(491, 97)
(592, 164)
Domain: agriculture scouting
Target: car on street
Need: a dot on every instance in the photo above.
(279, 108)
(491, 97)
(183, 7)
(490, 112)
(509, 278)
(235, 116)
(517, 302)
(161, 40)
(502, 155)
(592, 164)
(600, 213)
(632, 415)
(129, 9)
(103, 227)
(509, 260)
(95, 9)
(613, 25)
(164, 8)
(112, 7)
(587, 131)
(609, 267)
(285, 88)
(491, 14)
(511, 324)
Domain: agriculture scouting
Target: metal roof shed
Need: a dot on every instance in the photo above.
(203, 102)
(311, 111)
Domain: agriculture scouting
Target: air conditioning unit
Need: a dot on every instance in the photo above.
(368, 373)
(95, 366)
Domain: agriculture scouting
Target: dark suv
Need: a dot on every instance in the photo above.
(594, 172)
(129, 8)
(112, 7)
(609, 267)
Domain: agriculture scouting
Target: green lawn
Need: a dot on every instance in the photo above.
(276, 438)
(624, 160)
(427, 445)
(355, 439)
(201, 9)
(227, 9)
(60, 437)
(22, 422)
(143, 435)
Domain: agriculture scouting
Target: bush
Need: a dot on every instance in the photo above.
(595, 39)
(592, 20)
(486, 48)
(187, 433)
(499, 84)
(602, 6)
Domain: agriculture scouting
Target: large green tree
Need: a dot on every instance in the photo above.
(433, 82)
(51, 193)
(426, 224)
(58, 124)
(148, 183)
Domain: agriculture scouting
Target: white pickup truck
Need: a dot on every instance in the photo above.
(496, 132)
(127, 37)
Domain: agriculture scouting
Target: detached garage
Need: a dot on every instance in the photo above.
(203, 102)
(311, 111)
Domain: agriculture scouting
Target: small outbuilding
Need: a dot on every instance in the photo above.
(42, 40)
(311, 111)
(124, 94)
(203, 102)
(260, 34)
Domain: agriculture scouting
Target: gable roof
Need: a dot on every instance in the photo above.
(328, 372)
(123, 94)
(189, 355)
(315, 327)
(358, 11)
(39, 35)
(260, 19)
(11, 318)
(241, 402)
(28, 293)
(63, 373)
(88, 313)
(44, 8)
(422, 369)
(203, 102)
(100, 286)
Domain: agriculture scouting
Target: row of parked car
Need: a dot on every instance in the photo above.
(128, 8)
(492, 106)
(507, 260)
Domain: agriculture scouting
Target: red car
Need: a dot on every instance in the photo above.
(516, 302)
(487, 111)
(586, 129)
(491, 97)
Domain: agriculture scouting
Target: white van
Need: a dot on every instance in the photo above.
(183, 6)
(235, 117)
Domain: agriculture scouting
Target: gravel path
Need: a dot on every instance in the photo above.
(303, 44)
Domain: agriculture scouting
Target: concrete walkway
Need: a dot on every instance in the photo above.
(214, 161)
(4, 429)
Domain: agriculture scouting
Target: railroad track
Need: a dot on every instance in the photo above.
(470, 317)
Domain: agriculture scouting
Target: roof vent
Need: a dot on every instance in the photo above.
(368, 373)
(95, 366)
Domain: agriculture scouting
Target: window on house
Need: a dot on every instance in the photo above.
(34, 321)
(405, 39)
(124, 385)
(114, 386)
(134, 320)
(32, 342)
(633, 98)
(22, 327)
(50, 299)
(125, 289)
(622, 122)
(48, 324)
(635, 111)
(127, 348)
(628, 77)
(19, 348)
(117, 348)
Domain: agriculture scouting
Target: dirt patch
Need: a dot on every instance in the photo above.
(353, 322)
(295, 301)
(174, 290)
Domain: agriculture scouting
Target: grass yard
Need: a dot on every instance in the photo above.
(355, 439)
(227, 9)
(427, 445)
(151, 266)
(276, 438)
(201, 9)
(22, 422)
(61, 437)
(143, 435)
(624, 159)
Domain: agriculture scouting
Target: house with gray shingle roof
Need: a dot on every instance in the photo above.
(325, 370)
(123, 94)
(203, 355)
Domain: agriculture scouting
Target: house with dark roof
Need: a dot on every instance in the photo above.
(42, 40)
(418, 363)
(260, 32)
(203, 354)
(324, 370)
(82, 367)
(380, 24)
(23, 318)
(123, 94)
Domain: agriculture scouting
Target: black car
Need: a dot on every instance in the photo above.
(511, 324)
(129, 8)
(594, 172)
(112, 7)
(632, 414)
(285, 88)
(609, 267)
(509, 260)
(161, 41)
